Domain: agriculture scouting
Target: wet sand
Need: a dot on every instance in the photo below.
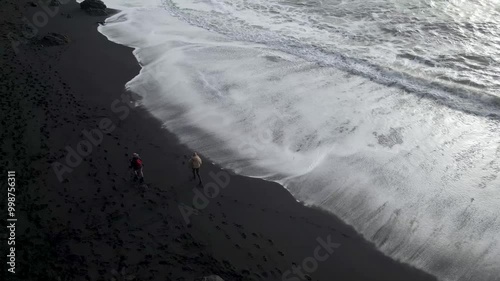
(97, 223)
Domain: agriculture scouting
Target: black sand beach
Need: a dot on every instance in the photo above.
(97, 224)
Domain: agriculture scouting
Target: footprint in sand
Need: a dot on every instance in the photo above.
(345, 235)
(245, 272)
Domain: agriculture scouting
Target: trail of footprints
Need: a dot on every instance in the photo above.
(259, 243)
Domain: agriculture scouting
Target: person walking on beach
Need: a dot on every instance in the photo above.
(195, 163)
(136, 165)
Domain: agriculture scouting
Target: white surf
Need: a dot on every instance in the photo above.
(412, 163)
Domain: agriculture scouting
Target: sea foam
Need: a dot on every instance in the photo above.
(414, 176)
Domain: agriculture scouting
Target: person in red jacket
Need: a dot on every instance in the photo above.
(136, 165)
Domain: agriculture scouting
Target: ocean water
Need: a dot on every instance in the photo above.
(383, 112)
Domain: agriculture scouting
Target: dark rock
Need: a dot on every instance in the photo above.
(96, 12)
(33, 4)
(54, 3)
(55, 39)
(94, 7)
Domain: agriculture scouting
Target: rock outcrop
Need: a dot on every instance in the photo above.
(94, 7)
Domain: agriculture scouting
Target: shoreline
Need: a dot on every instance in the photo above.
(252, 230)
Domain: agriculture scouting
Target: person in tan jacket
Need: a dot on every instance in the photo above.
(195, 163)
